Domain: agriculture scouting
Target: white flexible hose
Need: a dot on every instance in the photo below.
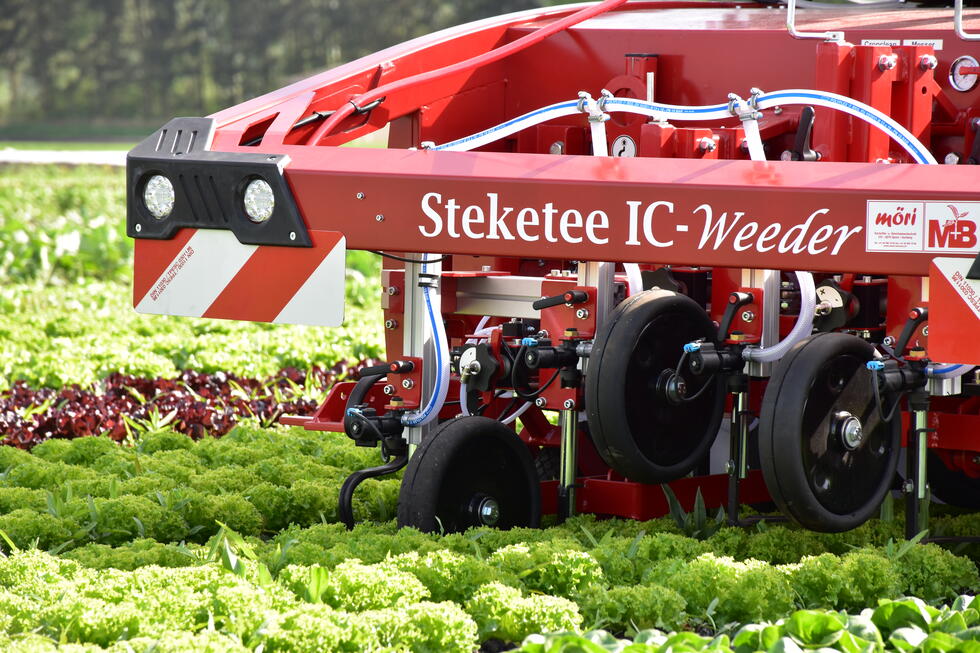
(536, 117)
(479, 327)
(463, 403)
(851, 107)
(802, 328)
(634, 278)
(707, 112)
(517, 413)
(441, 345)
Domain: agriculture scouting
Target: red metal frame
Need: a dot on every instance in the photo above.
(675, 204)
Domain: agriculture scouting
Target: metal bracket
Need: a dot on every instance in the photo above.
(958, 23)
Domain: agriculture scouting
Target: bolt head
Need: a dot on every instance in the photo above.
(888, 341)
(379, 218)
(706, 144)
(569, 404)
(391, 324)
(392, 290)
(540, 402)
(408, 384)
(928, 62)
(952, 159)
(582, 314)
(389, 389)
(850, 429)
(925, 330)
(359, 196)
(748, 316)
(887, 62)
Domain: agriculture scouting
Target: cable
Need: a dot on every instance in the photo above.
(878, 402)
(409, 260)
(707, 383)
(513, 378)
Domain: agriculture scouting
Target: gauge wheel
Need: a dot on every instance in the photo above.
(472, 471)
(637, 429)
(827, 455)
(951, 485)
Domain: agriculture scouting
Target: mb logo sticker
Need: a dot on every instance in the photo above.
(952, 229)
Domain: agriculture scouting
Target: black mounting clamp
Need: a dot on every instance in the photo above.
(367, 428)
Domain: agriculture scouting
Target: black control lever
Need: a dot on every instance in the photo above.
(802, 151)
(735, 301)
(570, 297)
(917, 316)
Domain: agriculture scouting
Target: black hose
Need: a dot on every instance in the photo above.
(345, 508)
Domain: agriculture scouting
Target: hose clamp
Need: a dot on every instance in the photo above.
(428, 280)
(604, 96)
(591, 107)
(741, 109)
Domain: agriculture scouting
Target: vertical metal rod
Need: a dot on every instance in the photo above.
(600, 276)
(737, 463)
(922, 494)
(916, 481)
(769, 281)
(418, 339)
(568, 466)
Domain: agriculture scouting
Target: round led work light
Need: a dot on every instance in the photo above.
(158, 195)
(259, 200)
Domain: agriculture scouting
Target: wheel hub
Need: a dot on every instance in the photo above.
(672, 386)
(487, 511)
(849, 429)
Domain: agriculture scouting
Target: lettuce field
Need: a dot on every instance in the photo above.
(150, 502)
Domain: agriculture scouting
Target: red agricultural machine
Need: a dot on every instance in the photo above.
(726, 246)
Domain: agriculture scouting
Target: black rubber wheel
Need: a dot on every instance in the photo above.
(820, 468)
(637, 430)
(952, 486)
(472, 471)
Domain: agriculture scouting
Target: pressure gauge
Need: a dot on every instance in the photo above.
(963, 73)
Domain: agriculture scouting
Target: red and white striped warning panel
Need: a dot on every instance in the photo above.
(208, 273)
(954, 312)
